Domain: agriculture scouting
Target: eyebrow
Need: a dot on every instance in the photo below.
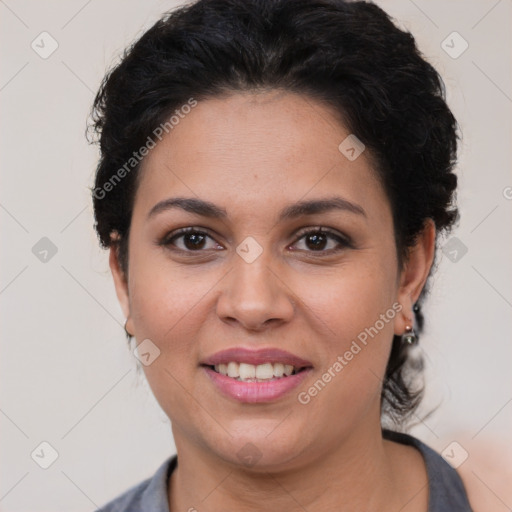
(302, 208)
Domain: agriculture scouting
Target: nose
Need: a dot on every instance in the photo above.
(255, 296)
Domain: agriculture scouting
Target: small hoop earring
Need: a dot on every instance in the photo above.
(409, 336)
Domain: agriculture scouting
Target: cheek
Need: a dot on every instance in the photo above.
(165, 305)
(161, 295)
(349, 300)
(168, 309)
(355, 317)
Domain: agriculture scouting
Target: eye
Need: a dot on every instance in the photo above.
(192, 240)
(318, 240)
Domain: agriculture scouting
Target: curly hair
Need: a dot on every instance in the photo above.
(349, 55)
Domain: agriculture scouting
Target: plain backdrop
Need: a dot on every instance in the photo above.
(67, 376)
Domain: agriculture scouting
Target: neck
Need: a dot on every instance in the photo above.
(357, 474)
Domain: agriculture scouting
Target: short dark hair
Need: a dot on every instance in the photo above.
(348, 55)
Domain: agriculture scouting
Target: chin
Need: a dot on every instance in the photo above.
(259, 446)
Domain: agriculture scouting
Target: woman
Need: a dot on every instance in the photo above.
(273, 178)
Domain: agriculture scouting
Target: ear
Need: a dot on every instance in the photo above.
(120, 283)
(414, 274)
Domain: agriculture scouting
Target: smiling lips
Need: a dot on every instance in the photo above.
(255, 375)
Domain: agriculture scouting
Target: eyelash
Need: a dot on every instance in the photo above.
(342, 240)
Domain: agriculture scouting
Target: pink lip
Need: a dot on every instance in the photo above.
(255, 392)
(260, 356)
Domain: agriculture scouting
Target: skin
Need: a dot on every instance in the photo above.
(253, 154)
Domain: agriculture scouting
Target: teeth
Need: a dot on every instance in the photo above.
(247, 371)
(250, 372)
(278, 369)
(233, 370)
(264, 371)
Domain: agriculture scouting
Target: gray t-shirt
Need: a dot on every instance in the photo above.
(446, 490)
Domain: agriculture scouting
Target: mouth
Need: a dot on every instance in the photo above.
(252, 376)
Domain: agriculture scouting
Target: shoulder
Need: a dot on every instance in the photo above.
(150, 494)
(446, 490)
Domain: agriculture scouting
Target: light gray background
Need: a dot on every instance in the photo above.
(67, 376)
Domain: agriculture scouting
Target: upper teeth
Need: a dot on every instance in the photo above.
(245, 371)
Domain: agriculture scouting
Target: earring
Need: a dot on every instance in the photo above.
(409, 336)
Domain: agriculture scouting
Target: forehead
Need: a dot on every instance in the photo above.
(255, 149)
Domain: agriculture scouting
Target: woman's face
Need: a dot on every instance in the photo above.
(259, 280)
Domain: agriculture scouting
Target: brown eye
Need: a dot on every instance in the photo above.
(189, 240)
(194, 240)
(322, 240)
(316, 241)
